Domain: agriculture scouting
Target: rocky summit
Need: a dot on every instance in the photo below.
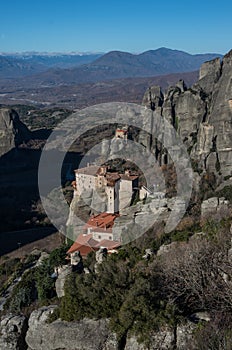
(201, 114)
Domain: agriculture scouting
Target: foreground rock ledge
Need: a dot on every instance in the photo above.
(89, 334)
(85, 334)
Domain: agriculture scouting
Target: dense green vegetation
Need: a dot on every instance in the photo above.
(141, 296)
(36, 283)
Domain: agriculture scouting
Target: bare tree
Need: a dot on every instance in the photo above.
(196, 275)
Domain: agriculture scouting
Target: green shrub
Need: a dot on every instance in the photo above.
(23, 294)
(44, 281)
(226, 192)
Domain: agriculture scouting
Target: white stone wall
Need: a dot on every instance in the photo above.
(85, 182)
(110, 199)
(100, 236)
(118, 197)
(101, 181)
(125, 194)
(113, 197)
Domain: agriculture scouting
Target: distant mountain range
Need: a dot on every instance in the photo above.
(53, 70)
(20, 65)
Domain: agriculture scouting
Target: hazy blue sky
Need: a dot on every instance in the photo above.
(104, 25)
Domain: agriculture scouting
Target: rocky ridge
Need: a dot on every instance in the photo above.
(201, 115)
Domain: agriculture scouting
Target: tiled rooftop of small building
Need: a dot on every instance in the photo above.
(103, 220)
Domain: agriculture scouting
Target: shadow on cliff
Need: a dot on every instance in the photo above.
(22, 218)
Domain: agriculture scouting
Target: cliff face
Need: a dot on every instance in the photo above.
(12, 130)
(202, 114)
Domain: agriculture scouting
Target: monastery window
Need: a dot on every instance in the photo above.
(99, 237)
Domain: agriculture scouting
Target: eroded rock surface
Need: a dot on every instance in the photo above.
(12, 130)
(201, 115)
(12, 332)
(85, 334)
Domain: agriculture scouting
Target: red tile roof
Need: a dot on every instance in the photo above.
(103, 220)
(83, 244)
(83, 249)
(122, 130)
(106, 243)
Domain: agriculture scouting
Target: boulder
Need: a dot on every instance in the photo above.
(12, 332)
(166, 338)
(85, 334)
(161, 340)
(214, 205)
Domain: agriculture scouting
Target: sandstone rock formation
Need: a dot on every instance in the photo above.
(12, 130)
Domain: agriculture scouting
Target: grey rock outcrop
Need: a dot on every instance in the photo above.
(12, 130)
(12, 332)
(39, 334)
(100, 256)
(153, 97)
(95, 334)
(214, 205)
(166, 338)
(159, 341)
(43, 256)
(60, 282)
(201, 115)
(209, 74)
(85, 334)
(165, 248)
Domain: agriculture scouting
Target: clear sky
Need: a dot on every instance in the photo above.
(104, 25)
